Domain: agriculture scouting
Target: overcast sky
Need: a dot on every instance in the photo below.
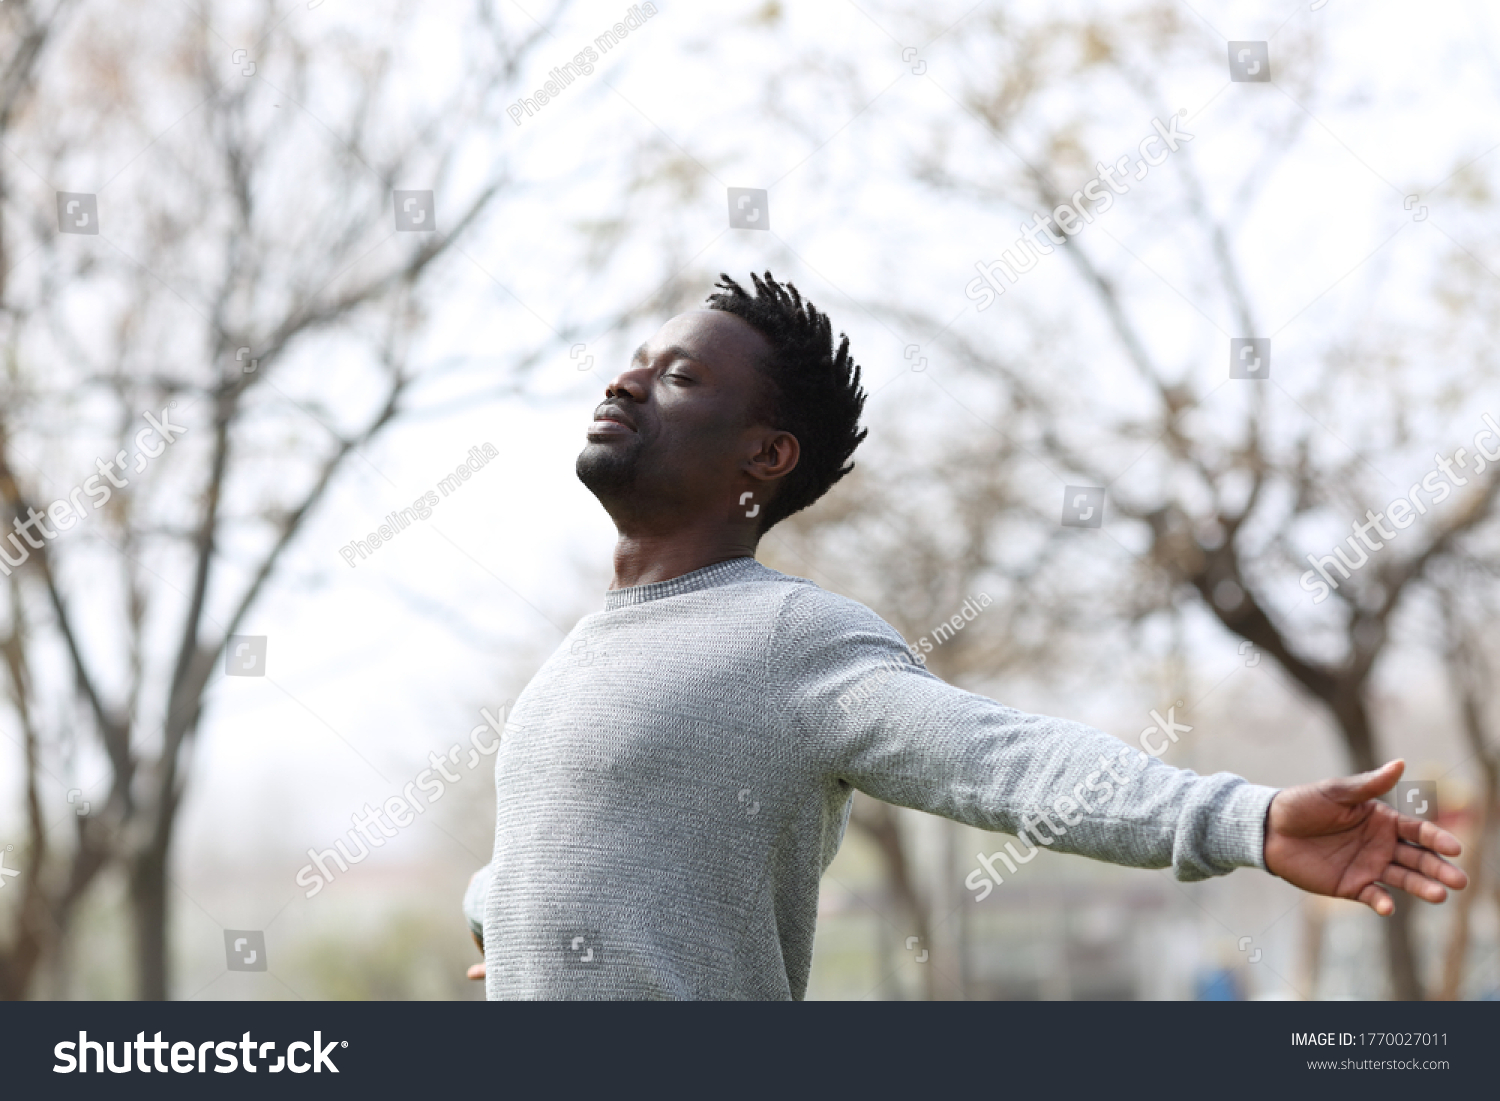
(370, 668)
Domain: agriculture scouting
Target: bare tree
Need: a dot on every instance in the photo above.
(1466, 609)
(244, 285)
(1226, 510)
(1216, 498)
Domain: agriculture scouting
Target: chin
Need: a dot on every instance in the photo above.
(608, 469)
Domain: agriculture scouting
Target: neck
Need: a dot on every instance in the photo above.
(642, 558)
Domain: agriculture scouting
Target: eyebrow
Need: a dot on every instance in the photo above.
(674, 351)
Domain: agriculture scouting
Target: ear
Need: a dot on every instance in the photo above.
(775, 456)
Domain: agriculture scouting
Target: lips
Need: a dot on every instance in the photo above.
(613, 414)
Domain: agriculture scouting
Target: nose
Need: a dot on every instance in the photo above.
(629, 383)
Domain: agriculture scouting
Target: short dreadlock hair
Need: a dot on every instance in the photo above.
(814, 390)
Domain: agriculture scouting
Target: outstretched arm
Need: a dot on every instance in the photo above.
(900, 734)
(870, 719)
(474, 899)
(1336, 838)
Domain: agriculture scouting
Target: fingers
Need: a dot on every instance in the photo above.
(476, 971)
(1377, 899)
(1413, 883)
(1430, 865)
(1428, 835)
(1403, 879)
(1352, 790)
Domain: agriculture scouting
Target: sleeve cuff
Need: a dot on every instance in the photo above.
(474, 900)
(1237, 837)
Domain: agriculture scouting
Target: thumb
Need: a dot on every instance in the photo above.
(1352, 790)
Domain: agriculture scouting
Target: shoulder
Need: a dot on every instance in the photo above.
(810, 614)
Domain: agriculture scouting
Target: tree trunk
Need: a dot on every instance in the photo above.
(958, 904)
(19, 962)
(1463, 909)
(1314, 933)
(878, 820)
(1470, 676)
(1359, 739)
(148, 909)
(1400, 955)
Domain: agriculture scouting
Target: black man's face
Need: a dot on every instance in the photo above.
(671, 433)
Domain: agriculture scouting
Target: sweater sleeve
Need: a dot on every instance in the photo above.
(474, 899)
(869, 716)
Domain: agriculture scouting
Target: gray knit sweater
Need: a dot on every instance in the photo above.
(675, 779)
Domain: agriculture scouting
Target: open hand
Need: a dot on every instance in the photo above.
(476, 971)
(1336, 838)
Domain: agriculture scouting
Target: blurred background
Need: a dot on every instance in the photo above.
(271, 272)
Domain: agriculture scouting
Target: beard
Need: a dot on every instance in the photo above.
(610, 470)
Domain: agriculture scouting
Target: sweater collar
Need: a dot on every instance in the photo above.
(720, 573)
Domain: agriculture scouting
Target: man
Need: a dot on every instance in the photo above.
(678, 774)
